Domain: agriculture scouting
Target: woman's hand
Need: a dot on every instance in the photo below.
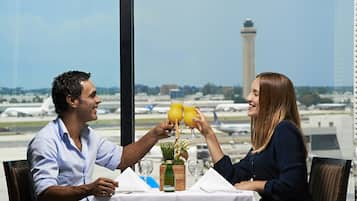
(251, 185)
(202, 124)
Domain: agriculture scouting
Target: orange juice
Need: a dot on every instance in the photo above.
(175, 113)
(189, 114)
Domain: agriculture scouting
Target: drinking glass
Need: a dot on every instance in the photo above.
(145, 168)
(195, 167)
(189, 114)
(175, 113)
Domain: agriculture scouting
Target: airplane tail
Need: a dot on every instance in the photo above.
(150, 107)
(3, 114)
(46, 104)
(215, 119)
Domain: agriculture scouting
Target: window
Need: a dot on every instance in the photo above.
(40, 40)
(192, 51)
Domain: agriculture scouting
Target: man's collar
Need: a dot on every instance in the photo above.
(62, 129)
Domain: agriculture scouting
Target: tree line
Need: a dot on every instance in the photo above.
(306, 95)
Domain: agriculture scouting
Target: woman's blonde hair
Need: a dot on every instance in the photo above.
(277, 102)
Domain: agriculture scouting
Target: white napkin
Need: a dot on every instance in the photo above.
(212, 181)
(129, 181)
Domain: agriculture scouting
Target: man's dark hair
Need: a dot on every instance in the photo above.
(67, 84)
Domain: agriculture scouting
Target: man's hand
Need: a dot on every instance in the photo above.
(163, 129)
(135, 151)
(103, 187)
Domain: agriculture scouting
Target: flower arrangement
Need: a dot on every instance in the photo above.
(178, 152)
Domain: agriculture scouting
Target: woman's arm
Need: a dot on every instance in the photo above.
(257, 186)
(213, 145)
(222, 164)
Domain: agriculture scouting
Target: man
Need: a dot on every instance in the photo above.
(62, 155)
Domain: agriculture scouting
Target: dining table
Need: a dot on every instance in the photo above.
(180, 196)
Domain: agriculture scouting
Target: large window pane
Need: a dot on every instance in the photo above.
(40, 40)
(193, 51)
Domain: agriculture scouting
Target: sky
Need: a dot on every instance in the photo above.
(186, 42)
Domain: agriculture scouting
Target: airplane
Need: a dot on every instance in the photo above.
(160, 110)
(331, 106)
(233, 107)
(207, 109)
(144, 110)
(44, 109)
(164, 110)
(102, 111)
(231, 129)
(140, 110)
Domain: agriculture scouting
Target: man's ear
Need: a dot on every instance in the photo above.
(72, 102)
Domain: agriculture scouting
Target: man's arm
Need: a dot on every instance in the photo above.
(103, 187)
(134, 152)
(70, 193)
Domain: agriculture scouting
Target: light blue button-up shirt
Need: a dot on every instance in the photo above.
(55, 159)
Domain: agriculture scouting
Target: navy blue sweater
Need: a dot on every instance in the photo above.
(282, 164)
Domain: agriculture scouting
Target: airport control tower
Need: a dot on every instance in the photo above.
(248, 33)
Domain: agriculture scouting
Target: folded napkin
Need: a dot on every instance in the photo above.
(212, 181)
(129, 181)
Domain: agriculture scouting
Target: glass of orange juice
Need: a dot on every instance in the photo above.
(175, 115)
(190, 113)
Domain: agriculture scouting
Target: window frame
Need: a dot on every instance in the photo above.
(127, 119)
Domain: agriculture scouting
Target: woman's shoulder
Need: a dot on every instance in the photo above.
(286, 124)
(286, 128)
(287, 137)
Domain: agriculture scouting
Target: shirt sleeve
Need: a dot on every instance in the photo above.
(109, 154)
(290, 156)
(234, 173)
(42, 155)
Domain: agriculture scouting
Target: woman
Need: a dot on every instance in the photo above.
(275, 166)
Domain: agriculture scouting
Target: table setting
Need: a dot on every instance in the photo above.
(211, 186)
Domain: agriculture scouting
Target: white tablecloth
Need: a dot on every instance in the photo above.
(180, 196)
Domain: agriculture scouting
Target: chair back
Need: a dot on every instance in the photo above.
(19, 181)
(329, 179)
